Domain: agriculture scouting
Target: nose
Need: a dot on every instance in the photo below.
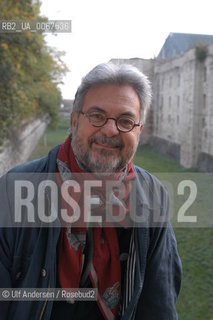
(110, 129)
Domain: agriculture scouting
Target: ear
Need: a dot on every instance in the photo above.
(141, 128)
(74, 120)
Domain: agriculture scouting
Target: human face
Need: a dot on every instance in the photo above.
(105, 149)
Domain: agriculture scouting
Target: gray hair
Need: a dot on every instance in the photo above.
(109, 73)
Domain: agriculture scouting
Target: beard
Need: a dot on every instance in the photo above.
(100, 160)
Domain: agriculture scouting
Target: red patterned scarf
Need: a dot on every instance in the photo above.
(104, 268)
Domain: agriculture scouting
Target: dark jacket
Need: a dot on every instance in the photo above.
(28, 256)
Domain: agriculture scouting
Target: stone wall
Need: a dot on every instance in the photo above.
(173, 103)
(205, 162)
(207, 105)
(166, 147)
(183, 106)
(22, 143)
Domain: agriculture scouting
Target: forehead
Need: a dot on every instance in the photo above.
(112, 99)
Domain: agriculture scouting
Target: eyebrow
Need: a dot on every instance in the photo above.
(96, 108)
(99, 109)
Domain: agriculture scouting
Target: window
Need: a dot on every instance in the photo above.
(161, 103)
(203, 123)
(170, 81)
(204, 101)
(178, 101)
(204, 74)
(178, 80)
(162, 83)
(170, 102)
(178, 119)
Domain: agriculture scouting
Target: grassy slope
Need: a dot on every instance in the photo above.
(195, 249)
(195, 245)
(51, 138)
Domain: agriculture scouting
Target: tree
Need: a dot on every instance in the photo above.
(29, 71)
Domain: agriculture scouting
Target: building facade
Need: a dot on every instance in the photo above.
(180, 122)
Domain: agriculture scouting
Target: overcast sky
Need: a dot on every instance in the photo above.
(102, 30)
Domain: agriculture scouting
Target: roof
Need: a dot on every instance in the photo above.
(178, 43)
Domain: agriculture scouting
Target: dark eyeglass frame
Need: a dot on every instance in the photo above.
(87, 115)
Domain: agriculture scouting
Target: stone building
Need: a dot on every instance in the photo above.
(180, 122)
(147, 66)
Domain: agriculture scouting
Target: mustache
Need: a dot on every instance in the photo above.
(105, 140)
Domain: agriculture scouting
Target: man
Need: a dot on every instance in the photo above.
(136, 270)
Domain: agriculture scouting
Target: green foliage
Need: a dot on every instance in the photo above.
(29, 71)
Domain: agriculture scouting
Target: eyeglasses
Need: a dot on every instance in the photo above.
(99, 119)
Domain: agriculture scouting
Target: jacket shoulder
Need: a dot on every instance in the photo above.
(32, 166)
(145, 177)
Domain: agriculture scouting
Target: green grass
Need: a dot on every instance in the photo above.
(152, 161)
(195, 249)
(195, 245)
(51, 138)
